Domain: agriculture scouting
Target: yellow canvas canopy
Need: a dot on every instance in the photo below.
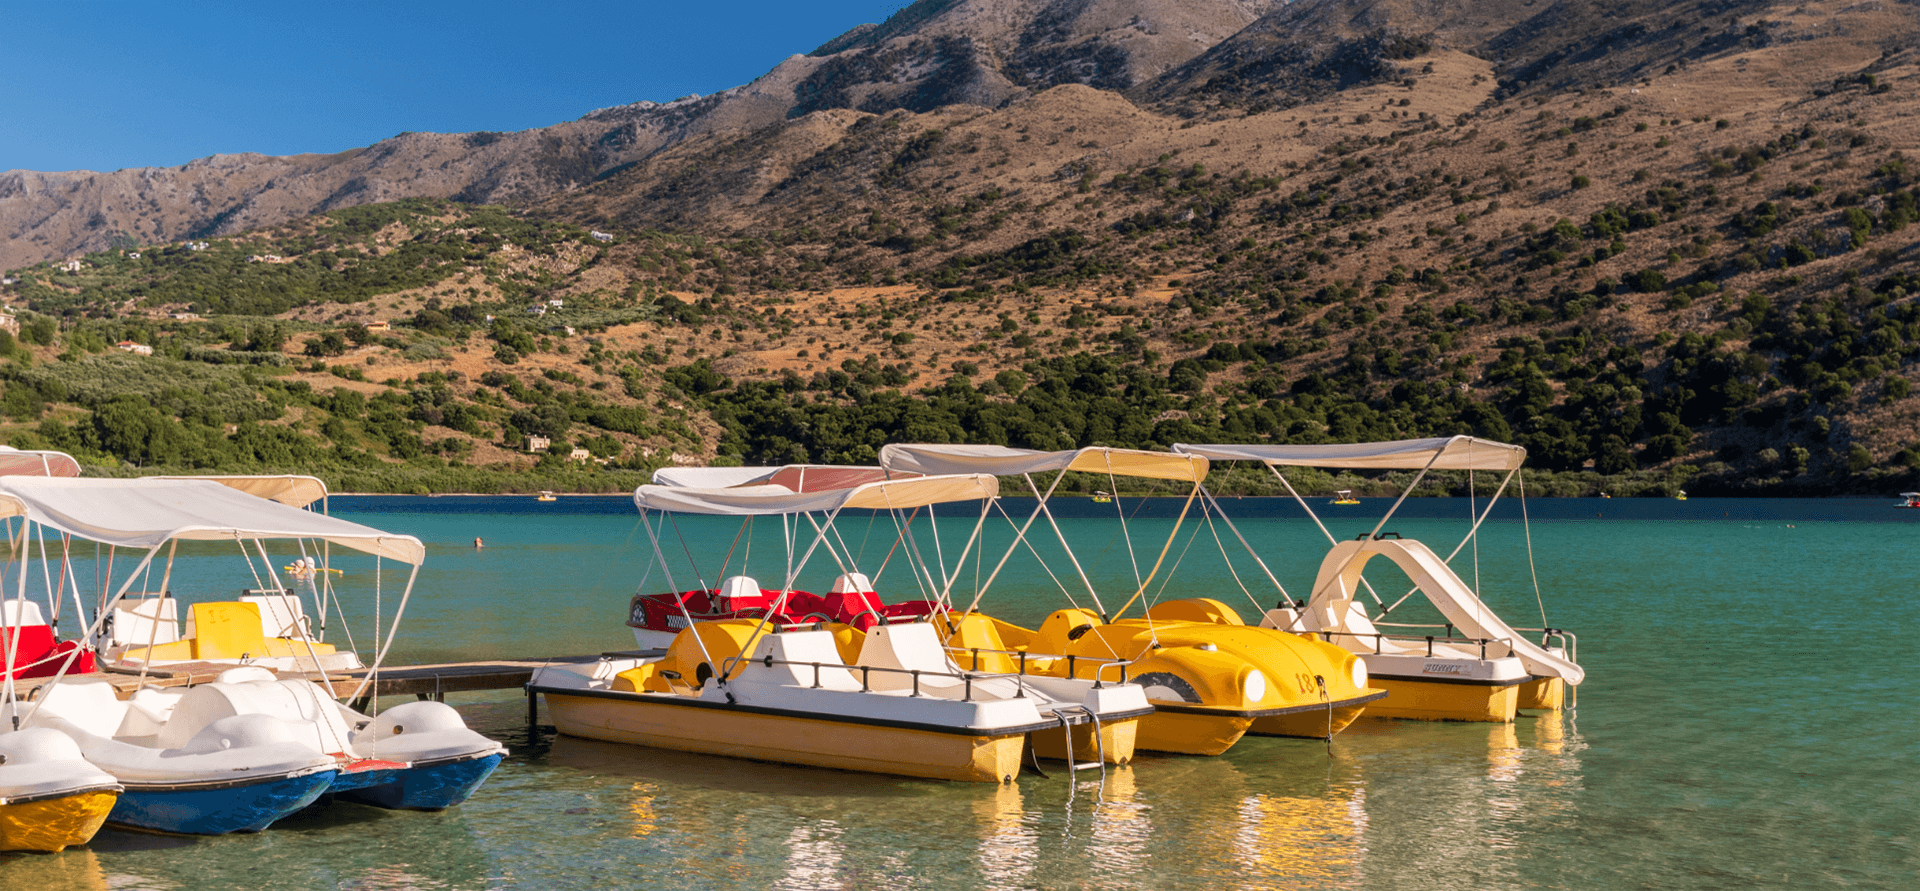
(288, 489)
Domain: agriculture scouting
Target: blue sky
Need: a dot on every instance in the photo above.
(103, 84)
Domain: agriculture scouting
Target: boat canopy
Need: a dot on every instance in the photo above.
(288, 489)
(36, 462)
(145, 513)
(1440, 453)
(768, 499)
(793, 477)
(1004, 461)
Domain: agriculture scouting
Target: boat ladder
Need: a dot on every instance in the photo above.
(1099, 747)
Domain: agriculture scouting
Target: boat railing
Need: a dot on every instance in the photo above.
(1102, 663)
(866, 672)
(1567, 639)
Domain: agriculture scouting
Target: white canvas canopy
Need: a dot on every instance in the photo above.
(38, 462)
(711, 477)
(794, 477)
(144, 513)
(770, 499)
(288, 489)
(1004, 461)
(1440, 453)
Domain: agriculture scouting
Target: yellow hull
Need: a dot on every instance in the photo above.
(1314, 724)
(52, 824)
(1188, 733)
(1429, 701)
(1118, 739)
(1545, 693)
(789, 740)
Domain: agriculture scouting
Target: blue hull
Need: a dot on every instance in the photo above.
(248, 807)
(420, 788)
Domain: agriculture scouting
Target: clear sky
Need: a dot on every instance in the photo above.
(107, 84)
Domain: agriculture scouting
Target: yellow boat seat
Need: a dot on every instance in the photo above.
(226, 630)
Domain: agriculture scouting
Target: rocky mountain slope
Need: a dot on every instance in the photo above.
(1657, 239)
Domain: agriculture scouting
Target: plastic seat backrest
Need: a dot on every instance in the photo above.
(741, 592)
(134, 620)
(20, 612)
(227, 630)
(36, 643)
(281, 615)
(792, 653)
(90, 705)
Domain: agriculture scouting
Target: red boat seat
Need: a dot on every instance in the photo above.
(38, 655)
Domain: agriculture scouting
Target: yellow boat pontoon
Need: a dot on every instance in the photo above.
(888, 699)
(1211, 679)
(1477, 668)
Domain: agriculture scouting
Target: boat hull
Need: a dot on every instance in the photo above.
(49, 825)
(416, 787)
(812, 742)
(1319, 723)
(1117, 743)
(1193, 732)
(1427, 700)
(1548, 694)
(217, 809)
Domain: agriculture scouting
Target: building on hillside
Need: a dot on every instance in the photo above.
(579, 456)
(70, 266)
(379, 327)
(601, 236)
(9, 323)
(138, 349)
(186, 317)
(557, 303)
(538, 443)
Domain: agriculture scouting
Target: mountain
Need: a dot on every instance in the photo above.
(932, 53)
(1656, 244)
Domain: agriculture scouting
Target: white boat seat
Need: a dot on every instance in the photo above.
(909, 646)
(298, 702)
(20, 612)
(801, 647)
(281, 614)
(87, 703)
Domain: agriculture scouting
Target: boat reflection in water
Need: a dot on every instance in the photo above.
(1394, 803)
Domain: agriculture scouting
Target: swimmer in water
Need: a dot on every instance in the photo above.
(477, 545)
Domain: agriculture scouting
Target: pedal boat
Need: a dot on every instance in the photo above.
(247, 749)
(1211, 678)
(50, 797)
(268, 626)
(1490, 671)
(900, 707)
(236, 774)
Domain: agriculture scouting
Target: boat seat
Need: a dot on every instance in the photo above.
(281, 614)
(741, 593)
(87, 703)
(39, 655)
(801, 647)
(914, 646)
(226, 630)
(143, 618)
(20, 612)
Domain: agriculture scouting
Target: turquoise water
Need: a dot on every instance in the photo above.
(1744, 724)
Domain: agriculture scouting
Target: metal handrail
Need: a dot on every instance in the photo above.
(1103, 662)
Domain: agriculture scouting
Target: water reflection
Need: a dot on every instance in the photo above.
(1008, 844)
(75, 868)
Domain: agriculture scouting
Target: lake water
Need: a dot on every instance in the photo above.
(1735, 729)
